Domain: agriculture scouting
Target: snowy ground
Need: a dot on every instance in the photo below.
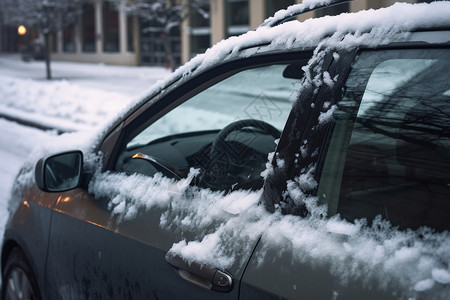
(81, 97)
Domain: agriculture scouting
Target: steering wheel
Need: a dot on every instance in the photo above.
(229, 160)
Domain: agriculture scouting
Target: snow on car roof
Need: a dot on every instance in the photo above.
(370, 28)
(297, 9)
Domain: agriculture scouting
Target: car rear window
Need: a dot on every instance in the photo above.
(389, 153)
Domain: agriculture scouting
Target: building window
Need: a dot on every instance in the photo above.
(200, 30)
(151, 42)
(69, 39)
(199, 43)
(199, 17)
(333, 11)
(272, 6)
(10, 41)
(175, 45)
(130, 33)
(110, 28)
(237, 16)
(152, 49)
(88, 27)
(53, 42)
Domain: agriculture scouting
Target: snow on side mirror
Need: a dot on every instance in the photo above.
(59, 172)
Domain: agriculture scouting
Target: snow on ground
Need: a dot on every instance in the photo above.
(123, 79)
(81, 97)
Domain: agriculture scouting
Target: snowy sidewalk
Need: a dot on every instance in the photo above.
(81, 96)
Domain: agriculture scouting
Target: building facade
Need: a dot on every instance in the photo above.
(102, 34)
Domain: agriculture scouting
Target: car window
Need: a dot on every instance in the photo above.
(225, 132)
(389, 153)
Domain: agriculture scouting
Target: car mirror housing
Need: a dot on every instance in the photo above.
(59, 172)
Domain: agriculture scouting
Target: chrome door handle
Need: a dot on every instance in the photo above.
(202, 275)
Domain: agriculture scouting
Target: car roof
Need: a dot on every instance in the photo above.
(293, 11)
(399, 23)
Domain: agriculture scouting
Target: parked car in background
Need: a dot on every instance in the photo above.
(300, 160)
(33, 50)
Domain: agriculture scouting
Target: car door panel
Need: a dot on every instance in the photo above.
(309, 277)
(93, 253)
(31, 222)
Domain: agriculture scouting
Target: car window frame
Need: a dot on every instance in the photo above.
(304, 120)
(157, 106)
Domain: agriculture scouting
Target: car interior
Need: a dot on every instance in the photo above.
(233, 129)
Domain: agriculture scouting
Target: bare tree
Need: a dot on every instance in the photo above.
(164, 15)
(46, 16)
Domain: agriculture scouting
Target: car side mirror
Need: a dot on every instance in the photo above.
(60, 172)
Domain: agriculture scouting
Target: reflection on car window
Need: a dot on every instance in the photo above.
(389, 154)
(225, 131)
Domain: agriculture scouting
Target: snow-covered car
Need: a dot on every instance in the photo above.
(299, 160)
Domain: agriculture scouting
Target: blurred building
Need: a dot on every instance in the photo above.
(102, 34)
(106, 35)
(9, 39)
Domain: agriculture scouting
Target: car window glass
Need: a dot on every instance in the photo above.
(226, 132)
(389, 153)
(260, 93)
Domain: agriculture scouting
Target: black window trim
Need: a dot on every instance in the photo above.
(303, 125)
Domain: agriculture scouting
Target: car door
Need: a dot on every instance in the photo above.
(155, 223)
(369, 216)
